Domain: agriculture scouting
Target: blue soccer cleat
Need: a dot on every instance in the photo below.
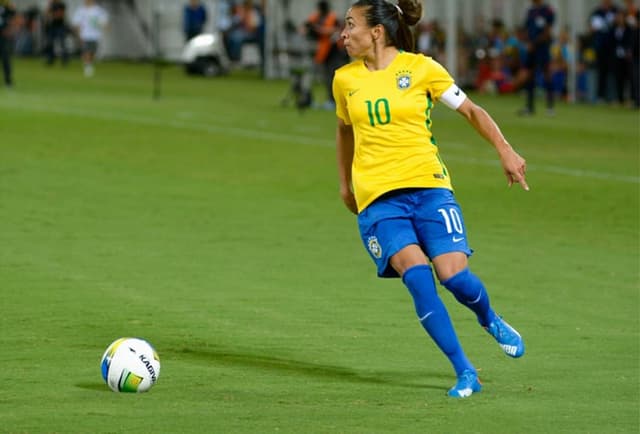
(508, 338)
(467, 385)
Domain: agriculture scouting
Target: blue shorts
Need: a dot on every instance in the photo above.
(429, 217)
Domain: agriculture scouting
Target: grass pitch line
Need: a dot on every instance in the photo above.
(578, 173)
(256, 134)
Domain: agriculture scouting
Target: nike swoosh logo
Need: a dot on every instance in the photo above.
(426, 316)
(353, 92)
(457, 240)
(457, 92)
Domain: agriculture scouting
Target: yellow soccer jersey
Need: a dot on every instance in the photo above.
(390, 113)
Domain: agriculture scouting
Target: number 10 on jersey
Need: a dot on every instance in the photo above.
(379, 112)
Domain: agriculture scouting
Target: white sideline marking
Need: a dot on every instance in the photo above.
(299, 139)
(578, 173)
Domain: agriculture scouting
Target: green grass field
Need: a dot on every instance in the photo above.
(209, 223)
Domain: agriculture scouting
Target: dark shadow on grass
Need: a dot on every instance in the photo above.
(95, 386)
(220, 356)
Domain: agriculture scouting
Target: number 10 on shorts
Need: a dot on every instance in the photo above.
(452, 220)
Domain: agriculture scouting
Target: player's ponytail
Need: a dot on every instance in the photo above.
(397, 17)
(411, 14)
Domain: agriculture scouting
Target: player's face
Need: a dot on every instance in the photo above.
(357, 35)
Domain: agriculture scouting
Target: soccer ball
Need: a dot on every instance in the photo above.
(130, 365)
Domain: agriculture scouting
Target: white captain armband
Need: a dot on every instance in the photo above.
(453, 97)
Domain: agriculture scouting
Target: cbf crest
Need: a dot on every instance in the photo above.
(403, 79)
(374, 247)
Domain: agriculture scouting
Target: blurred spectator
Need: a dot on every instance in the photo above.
(261, 34)
(632, 13)
(464, 52)
(622, 46)
(89, 20)
(7, 14)
(477, 46)
(497, 36)
(336, 58)
(515, 53)
(500, 78)
(493, 73)
(501, 65)
(246, 25)
(194, 18)
(299, 57)
(560, 58)
(431, 39)
(601, 22)
(321, 27)
(26, 30)
(223, 20)
(539, 21)
(586, 60)
(56, 30)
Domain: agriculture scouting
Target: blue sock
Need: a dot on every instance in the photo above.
(434, 316)
(468, 289)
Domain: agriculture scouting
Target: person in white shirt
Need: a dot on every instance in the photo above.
(89, 21)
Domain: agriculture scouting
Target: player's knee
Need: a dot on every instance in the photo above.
(407, 258)
(464, 285)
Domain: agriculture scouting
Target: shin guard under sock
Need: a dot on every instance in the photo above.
(434, 316)
(468, 289)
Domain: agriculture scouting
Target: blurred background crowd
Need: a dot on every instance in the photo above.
(507, 47)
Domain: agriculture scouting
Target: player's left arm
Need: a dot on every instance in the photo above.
(514, 165)
(446, 91)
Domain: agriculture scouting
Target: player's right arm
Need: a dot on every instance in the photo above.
(344, 154)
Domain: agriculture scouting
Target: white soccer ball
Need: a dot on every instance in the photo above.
(130, 365)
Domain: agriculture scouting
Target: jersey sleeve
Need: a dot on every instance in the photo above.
(439, 80)
(339, 97)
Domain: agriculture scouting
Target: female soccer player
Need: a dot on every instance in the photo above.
(392, 177)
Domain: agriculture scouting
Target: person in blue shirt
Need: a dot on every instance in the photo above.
(195, 17)
(538, 23)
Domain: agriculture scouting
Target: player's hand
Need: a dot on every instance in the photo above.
(515, 168)
(349, 199)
